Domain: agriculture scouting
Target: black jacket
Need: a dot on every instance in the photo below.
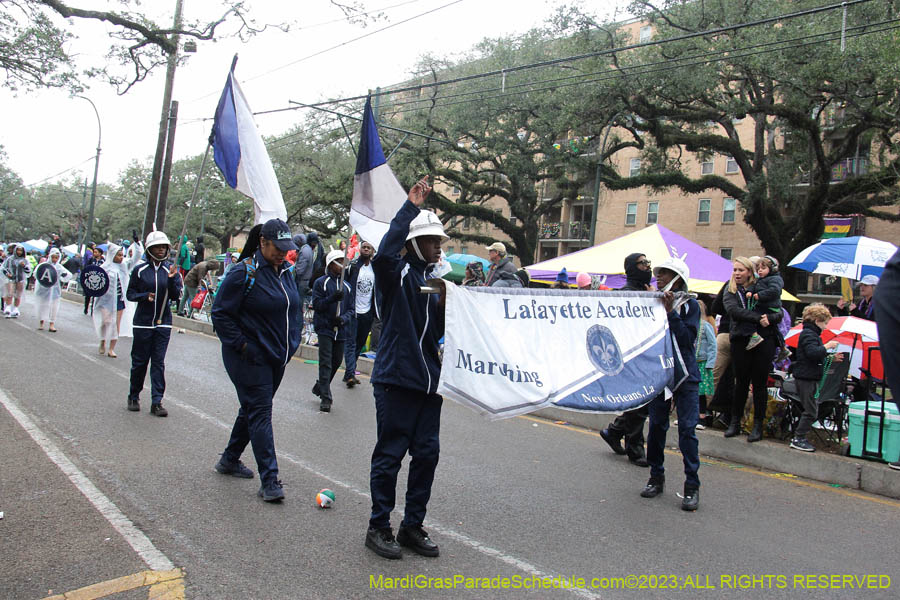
(353, 275)
(887, 294)
(807, 363)
(148, 277)
(745, 322)
(409, 347)
(718, 308)
(325, 301)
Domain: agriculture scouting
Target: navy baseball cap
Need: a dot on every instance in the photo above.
(277, 231)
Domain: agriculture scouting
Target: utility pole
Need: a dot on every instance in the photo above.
(154, 197)
(79, 239)
(90, 222)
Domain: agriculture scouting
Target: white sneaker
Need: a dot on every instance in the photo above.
(700, 426)
(7, 312)
(14, 312)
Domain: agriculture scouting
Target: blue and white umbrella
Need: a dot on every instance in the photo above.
(850, 257)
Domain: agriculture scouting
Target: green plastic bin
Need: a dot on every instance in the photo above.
(890, 445)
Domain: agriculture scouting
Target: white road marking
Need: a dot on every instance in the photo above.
(508, 559)
(136, 538)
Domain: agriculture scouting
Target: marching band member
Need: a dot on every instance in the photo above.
(405, 377)
(154, 285)
(109, 308)
(47, 297)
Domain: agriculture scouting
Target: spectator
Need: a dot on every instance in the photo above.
(751, 365)
(583, 281)
(684, 320)
(407, 406)
(48, 293)
(502, 266)
(706, 359)
(562, 280)
(888, 322)
(318, 255)
(866, 307)
(199, 251)
(362, 281)
(474, 274)
(204, 272)
(333, 303)
(765, 295)
(154, 285)
(808, 370)
(630, 424)
(255, 317)
(302, 272)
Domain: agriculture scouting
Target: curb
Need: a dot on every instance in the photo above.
(868, 476)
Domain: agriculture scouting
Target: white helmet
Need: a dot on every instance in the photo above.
(333, 256)
(156, 238)
(676, 265)
(426, 223)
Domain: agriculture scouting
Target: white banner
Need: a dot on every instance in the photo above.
(512, 351)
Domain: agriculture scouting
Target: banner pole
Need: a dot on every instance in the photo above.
(194, 193)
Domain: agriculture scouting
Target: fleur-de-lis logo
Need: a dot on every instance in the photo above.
(603, 350)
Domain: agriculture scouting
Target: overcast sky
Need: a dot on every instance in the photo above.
(47, 132)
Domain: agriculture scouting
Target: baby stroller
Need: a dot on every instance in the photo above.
(831, 420)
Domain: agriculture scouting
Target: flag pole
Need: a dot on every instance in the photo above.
(194, 193)
(343, 271)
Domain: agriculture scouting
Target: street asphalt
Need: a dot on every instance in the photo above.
(524, 499)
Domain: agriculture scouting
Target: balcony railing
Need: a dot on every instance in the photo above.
(842, 170)
(575, 230)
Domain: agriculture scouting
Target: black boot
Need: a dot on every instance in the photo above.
(654, 487)
(756, 432)
(734, 428)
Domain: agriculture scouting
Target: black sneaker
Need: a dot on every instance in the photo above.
(134, 405)
(235, 469)
(691, 499)
(325, 407)
(614, 442)
(654, 487)
(272, 491)
(158, 410)
(351, 382)
(382, 543)
(895, 465)
(802, 444)
(416, 539)
(638, 461)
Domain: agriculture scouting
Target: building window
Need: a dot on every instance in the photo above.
(631, 213)
(725, 253)
(450, 250)
(703, 210)
(731, 165)
(707, 167)
(652, 213)
(646, 34)
(728, 205)
(456, 190)
(467, 223)
(634, 167)
(464, 249)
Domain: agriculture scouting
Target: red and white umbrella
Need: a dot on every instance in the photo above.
(854, 335)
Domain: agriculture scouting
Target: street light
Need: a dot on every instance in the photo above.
(90, 223)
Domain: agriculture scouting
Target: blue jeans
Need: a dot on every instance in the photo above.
(687, 407)
(357, 332)
(407, 421)
(255, 385)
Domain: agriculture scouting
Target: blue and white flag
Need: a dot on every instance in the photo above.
(512, 351)
(241, 155)
(377, 195)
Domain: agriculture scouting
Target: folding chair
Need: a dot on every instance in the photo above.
(832, 411)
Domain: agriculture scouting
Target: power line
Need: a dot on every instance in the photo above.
(342, 44)
(641, 69)
(72, 168)
(598, 53)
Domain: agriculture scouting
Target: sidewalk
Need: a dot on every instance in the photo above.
(854, 473)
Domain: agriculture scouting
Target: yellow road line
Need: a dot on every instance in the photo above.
(163, 585)
(857, 494)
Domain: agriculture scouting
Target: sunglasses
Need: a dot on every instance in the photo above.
(646, 263)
